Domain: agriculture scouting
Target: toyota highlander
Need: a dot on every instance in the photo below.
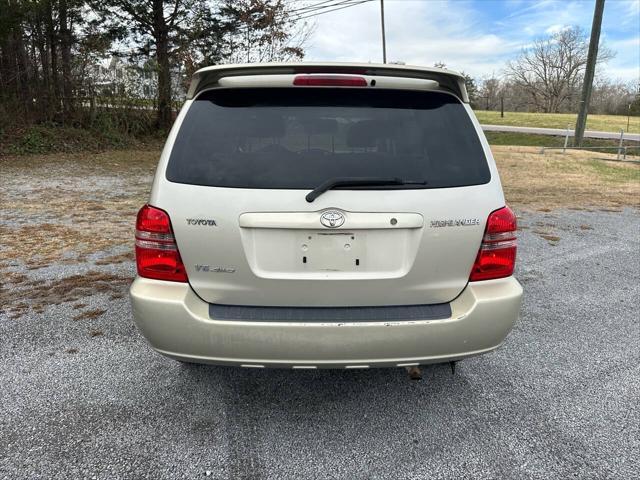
(322, 215)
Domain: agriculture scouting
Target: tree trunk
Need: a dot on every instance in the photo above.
(53, 49)
(162, 58)
(45, 90)
(65, 41)
(10, 86)
(22, 73)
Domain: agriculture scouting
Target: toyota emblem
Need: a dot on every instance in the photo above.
(332, 219)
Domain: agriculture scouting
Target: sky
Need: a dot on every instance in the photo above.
(475, 36)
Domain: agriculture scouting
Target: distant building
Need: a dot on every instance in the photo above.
(118, 76)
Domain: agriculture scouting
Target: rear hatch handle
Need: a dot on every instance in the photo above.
(358, 182)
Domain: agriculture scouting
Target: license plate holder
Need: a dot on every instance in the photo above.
(335, 251)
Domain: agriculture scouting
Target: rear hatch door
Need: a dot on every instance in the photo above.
(244, 160)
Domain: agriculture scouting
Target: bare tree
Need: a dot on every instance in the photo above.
(612, 97)
(551, 71)
(50, 51)
(189, 32)
(490, 92)
(262, 31)
(157, 24)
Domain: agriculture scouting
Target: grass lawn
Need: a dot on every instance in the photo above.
(532, 140)
(581, 180)
(606, 123)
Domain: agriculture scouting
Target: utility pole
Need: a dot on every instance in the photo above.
(587, 86)
(384, 41)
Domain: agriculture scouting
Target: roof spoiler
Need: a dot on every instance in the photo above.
(208, 77)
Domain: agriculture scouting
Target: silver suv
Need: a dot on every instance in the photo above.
(317, 215)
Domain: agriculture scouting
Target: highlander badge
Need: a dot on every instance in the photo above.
(458, 222)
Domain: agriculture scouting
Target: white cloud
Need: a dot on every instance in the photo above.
(417, 33)
(463, 34)
(633, 42)
(624, 74)
(556, 28)
(622, 65)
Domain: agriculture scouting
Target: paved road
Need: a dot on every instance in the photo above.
(562, 132)
(560, 399)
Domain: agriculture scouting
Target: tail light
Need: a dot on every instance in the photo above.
(157, 254)
(497, 255)
(330, 81)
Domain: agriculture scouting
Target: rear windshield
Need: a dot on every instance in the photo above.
(297, 138)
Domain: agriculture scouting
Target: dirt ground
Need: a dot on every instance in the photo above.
(62, 209)
(575, 180)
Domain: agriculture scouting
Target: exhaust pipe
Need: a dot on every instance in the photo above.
(415, 372)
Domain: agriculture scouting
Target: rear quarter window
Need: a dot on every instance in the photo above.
(296, 138)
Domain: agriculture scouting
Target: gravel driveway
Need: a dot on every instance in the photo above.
(87, 398)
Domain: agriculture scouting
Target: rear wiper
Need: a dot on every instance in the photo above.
(358, 181)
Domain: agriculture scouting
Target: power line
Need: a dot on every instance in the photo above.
(318, 7)
(312, 7)
(350, 3)
(320, 10)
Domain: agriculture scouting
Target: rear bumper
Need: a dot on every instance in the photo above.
(177, 324)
